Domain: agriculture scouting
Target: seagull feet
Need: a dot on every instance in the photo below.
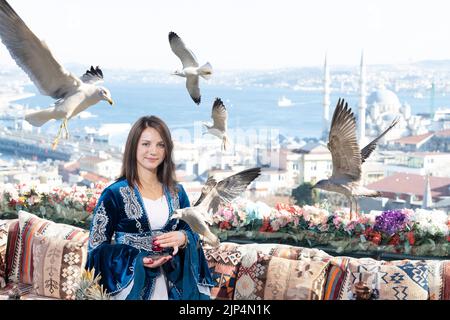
(55, 143)
(65, 129)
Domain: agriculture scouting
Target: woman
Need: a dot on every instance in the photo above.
(139, 203)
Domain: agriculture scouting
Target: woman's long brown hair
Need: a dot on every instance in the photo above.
(166, 170)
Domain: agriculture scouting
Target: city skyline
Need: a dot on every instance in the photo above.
(234, 35)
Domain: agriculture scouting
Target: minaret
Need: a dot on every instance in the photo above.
(427, 200)
(362, 103)
(326, 100)
(432, 97)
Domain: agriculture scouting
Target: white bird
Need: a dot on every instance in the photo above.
(347, 158)
(219, 115)
(73, 95)
(209, 185)
(191, 70)
(200, 215)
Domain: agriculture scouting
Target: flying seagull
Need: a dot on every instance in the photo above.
(72, 94)
(347, 158)
(219, 128)
(219, 193)
(209, 185)
(191, 70)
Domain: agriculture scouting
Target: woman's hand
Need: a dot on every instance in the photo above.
(151, 263)
(173, 239)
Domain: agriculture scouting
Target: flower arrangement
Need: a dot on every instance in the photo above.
(420, 232)
(415, 232)
(72, 205)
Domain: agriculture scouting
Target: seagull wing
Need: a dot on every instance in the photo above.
(193, 88)
(33, 55)
(92, 76)
(342, 143)
(367, 150)
(219, 115)
(186, 56)
(209, 185)
(228, 189)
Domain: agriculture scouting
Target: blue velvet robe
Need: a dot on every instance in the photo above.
(120, 212)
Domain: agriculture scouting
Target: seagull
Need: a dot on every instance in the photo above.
(200, 215)
(210, 183)
(72, 94)
(219, 115)
(347, 158)
(191, 70)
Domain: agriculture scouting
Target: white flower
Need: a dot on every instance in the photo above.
(434, 222)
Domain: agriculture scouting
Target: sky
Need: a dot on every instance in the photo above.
(238, 34)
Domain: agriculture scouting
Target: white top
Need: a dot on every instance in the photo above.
(157, 214)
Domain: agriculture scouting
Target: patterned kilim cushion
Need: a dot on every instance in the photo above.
(29, 225)
(251, 250)
(335, 277)
(395, 280)
(57, 266)
(4, 227)
(299, 253)
(223, 263)
(273, 278)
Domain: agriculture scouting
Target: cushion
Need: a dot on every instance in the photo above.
(436, 279)
(446, 280)
(4, 227)
(29, 224)
(223, 263)
(57, 266)
(392, 280)
(299, 253)
(335, 277)
(277, 278)
(11, 247)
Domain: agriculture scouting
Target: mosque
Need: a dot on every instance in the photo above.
(376, 112)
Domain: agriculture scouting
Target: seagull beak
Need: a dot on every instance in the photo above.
(110, 101)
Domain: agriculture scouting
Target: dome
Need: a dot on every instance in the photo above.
(386, 100)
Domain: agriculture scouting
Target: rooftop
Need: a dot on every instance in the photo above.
(405, 183)
(414, 140)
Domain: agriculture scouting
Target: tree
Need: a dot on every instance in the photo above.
(304, 194)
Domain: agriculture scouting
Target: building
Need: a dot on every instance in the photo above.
(440, 141)
(420, 163)
(310, 163)
(108, 168)
(412, 143)
(404, 190)
(431, 141)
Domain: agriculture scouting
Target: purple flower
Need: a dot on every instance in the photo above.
(390, 221)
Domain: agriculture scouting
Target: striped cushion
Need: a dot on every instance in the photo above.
(29, 225)
(12, 248)
(446, 280)
(335, 277)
